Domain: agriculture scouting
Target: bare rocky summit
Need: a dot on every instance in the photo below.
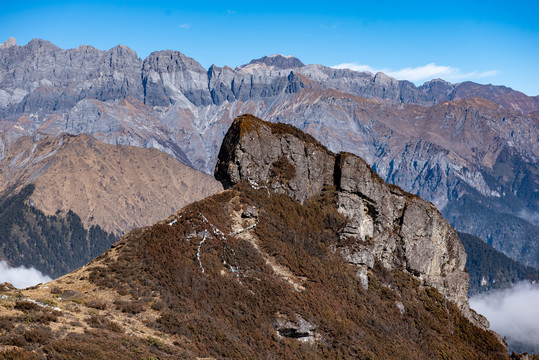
(278, 61)
(385, 223)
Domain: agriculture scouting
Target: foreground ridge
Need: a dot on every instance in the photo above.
(263, 270)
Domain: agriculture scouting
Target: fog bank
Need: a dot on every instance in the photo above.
(21, 277)
(513, 313)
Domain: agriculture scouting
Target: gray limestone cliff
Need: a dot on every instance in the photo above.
(42, 78)
(396, 228)
(170, 77)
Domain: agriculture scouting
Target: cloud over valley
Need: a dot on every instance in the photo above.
(21, 277)
(513, 313)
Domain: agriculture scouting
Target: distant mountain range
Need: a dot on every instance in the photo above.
(470, 149)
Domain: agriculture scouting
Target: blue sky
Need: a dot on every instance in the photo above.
(487, 42)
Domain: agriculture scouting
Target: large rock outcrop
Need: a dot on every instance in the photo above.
(280, 155)
(385, 223)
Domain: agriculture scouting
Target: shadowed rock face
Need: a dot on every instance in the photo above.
(385, 223)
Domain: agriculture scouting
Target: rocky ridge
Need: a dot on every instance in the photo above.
(264, 269)
(385, 223)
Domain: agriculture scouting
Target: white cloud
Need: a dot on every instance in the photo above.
(513, 313)
(21, 277)
(184, 26)
(422, 73)
(355, 67)
(532, 217)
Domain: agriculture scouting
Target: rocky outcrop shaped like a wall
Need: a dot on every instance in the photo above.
(394, 227)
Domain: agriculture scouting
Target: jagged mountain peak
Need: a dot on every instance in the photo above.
(278, 61)
(385, 80)
(39, 44)
(122, 49)
(214, 68)
(170, 77)
(437, 81)
(170, 56)
(8, 43)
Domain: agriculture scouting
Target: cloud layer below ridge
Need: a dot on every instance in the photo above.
(513, 313)
(21, 277)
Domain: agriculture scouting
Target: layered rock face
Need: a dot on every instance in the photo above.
(385, 223)
(171, 77)
(42, 78)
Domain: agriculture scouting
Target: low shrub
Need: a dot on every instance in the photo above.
(131, 307)
(6, 323)
(155, 342)
(101, 322)
(96, 304)
(24, 305)
(42, 315)
(18, 354)
(39, 335)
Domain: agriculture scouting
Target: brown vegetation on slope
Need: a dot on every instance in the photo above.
(116, 187)
(227, 314)
(252, 273)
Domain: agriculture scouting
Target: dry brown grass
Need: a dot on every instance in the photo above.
(227, 316)
(218, 314)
